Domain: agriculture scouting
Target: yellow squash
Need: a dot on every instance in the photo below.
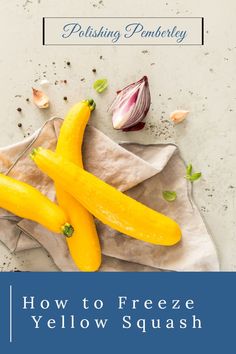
(109, 205)
(84, 245)
(27, 202)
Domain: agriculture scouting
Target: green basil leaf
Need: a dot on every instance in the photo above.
(169, 196)
(189, 170)
(194, 176)
(100, 85)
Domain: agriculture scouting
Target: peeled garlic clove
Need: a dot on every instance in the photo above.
(40, 98)
(44, 83)
(178, 116)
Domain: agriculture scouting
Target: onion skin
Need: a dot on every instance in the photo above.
(138, 126)
(131, 105)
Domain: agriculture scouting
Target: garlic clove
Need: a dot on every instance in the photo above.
(40, 99)
(44, 83)
(178, 116)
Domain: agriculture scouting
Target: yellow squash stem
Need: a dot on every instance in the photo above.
(84, 246)
(27, 202)
(109, 205)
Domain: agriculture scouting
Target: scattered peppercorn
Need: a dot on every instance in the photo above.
(94, 71)
(27, 99)
(65, 98)
(68, 63)
(19, 109)
(65, 81)
(19, 125)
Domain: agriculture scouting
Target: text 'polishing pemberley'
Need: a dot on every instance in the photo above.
(123, 31)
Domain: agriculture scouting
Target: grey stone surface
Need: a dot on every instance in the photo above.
(199, 79)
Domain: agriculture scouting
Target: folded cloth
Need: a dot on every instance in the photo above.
(141, 171)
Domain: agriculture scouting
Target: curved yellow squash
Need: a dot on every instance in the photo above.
(27, 202)
(84, 245)
(109, 205)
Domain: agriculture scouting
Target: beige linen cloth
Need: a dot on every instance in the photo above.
(142, 172)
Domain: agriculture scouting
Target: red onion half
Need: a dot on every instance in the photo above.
(131, 105)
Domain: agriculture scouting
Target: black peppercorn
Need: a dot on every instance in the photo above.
(19, 125)
(68, 63)
(19, 109)
(65, 98)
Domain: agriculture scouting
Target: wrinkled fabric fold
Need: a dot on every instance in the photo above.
(141, 171)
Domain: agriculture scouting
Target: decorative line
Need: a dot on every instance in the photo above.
(10, 314)
(202, 30)
(43, 30)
